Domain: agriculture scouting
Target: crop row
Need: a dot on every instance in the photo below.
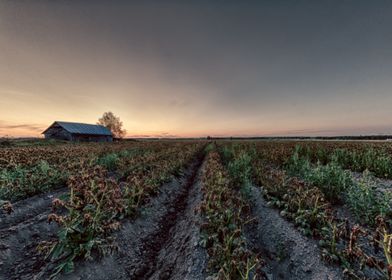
(378, 161)
(362, 196)
(224, 212)
(59, 154)
(356, 156)
(46, 171)
(311, 204)
(99, 200)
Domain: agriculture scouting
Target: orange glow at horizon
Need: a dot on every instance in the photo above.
(197, 69)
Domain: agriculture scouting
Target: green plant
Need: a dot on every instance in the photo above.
(241, 169)
(21, 182)
(223, 209)
(331, 178)
(94, 204)
(239, 163)
(109, 161)
(366, 202)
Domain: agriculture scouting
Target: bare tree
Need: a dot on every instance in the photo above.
(113, 123)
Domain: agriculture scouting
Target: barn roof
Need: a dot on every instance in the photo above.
(82, 128)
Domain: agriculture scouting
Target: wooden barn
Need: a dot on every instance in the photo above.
(78, 132)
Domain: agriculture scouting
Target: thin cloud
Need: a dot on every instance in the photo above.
(28, 127)
(155, 135)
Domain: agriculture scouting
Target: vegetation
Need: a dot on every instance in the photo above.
(113, 123)
(330, 178)
(329, 191)
(223, 209)
(305, 188)
(376, 160)
(21, 182)
(97, 204)
(361, 196)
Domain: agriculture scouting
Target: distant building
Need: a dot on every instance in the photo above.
(78, 132)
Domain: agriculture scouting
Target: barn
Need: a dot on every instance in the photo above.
(78, 132)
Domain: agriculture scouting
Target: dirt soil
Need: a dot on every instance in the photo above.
(21, 232)
(287, 253)
(383, 185)
(162, 243)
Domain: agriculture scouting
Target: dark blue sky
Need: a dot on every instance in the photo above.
(192, 68)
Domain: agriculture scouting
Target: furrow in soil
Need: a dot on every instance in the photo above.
(162, 243)
(287, 253)
(20, 234)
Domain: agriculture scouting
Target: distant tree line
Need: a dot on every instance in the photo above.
(360, 137)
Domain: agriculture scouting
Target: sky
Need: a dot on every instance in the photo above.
(197, 68)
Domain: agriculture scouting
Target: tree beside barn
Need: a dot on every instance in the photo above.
(113, 123)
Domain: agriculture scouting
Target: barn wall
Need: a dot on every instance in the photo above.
(58, 133)
(91, 138)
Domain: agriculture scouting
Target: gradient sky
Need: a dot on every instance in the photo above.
(196, 68)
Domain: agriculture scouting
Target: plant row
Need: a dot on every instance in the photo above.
(58, 154)
(376, 160)
(362, 251)
(224, 213)
(99, 201)
(21, 181)
(363, 197)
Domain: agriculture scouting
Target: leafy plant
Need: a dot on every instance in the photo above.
(222, 209)
(109, 161)
(98, 202)
(331, 178)
(21, 182)
(366, 202)
(94, 204)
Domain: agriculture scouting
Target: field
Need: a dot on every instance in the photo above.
(242, 209)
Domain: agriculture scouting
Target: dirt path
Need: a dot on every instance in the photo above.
(22, 231)
(288, 254)
(162, 243)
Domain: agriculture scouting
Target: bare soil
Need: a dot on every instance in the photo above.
(21, 232)
(287, 253)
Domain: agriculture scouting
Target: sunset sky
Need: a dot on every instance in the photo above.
(197, 68)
